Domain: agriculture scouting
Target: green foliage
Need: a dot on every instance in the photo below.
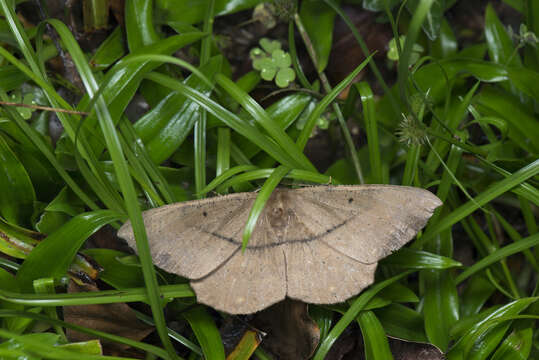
(393, 52)
(461, 121)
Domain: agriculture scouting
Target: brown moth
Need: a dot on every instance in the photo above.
(316, 244)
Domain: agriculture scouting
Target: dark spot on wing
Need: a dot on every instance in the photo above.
(350, 200)
(204, 214)
(162, 259)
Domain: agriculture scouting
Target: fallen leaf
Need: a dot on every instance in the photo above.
(290, 331)
(118, 319)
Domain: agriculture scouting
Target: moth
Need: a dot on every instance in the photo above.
(317, 244)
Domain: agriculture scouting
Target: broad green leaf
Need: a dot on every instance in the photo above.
(193, 11)
(500, 45)
(110, 50)
(484, 336)
(118, 271)
(379, 5)
(446, 44)
(516, 346)
(165, 127)
(440, 308)
(18, 196)
(402, 322)
(52, 256)
(432, 24)
(475, 295)
(318, 20)
(139, 24)
(520, 120)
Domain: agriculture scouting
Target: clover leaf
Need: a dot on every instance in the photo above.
(269, 45)
(24, 112)
(273, 63)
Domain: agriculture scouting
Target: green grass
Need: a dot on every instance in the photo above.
(462, 122)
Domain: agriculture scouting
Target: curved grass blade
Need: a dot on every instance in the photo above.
(34, 346)
(45, 260)
(206, 332)
(416, 259)
(125, 183)
(262, 118)
(265, 192)
(357, 305)
(371, 127)
(95, 297)
(111, 337)
(486, 196)
(374, 337)
(418, 18)
(228, 118)
(498, 255)
(325, 102)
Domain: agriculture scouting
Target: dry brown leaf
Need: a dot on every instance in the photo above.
(290, 331)
(118, 319)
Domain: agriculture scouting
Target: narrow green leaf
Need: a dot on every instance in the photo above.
(124, 180)
(206, 332)
(374, 337)
(30, 346)
(117, 271)
(228, 118)
(262, 118)
(318, 19)
(324, 103)
(495, 190)
(499, 254)
(357, 305)
(417, 259)
(258, 206)
(95, 297)
(419, 16)
(371, 127)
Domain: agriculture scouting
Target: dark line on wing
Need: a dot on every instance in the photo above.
(268, 246)
(218, 266)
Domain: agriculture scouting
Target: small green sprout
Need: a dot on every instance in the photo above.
(393, 53)
(524, 37)
(273, 62)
